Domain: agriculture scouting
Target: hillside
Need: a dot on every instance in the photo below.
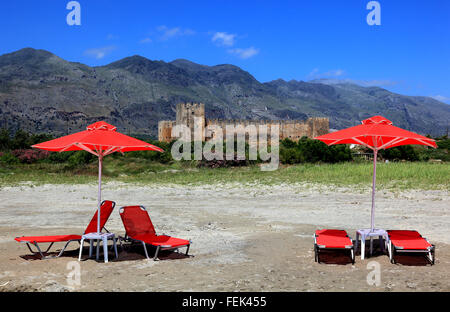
(41, 92)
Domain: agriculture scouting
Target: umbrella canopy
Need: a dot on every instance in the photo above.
(100, 139)
(375, 133)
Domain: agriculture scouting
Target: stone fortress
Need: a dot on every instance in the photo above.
(193, 116)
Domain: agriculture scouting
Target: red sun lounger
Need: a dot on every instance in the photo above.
(139, 228)
(333, 240)
(106, 209)
(409, 241)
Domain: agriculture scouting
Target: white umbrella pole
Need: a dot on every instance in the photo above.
(374, 179)
(100, 161)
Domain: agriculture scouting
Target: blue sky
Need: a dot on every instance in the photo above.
(408, 53)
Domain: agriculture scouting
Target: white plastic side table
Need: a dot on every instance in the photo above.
(364, 233)
(98, 236)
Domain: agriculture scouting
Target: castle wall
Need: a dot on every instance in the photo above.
(292, 129)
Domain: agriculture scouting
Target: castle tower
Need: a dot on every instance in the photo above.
(165, 130)
(193, 116)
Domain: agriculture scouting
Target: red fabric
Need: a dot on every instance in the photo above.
(48, 239)
(376, 132)
(408, 240)
(139, 226)
(99, 136)
(105, 211)
(136, 221)
(333, 238)
(162, 240)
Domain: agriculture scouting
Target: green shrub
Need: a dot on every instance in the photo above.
(404, 152)
(80, 158)
(9, 159)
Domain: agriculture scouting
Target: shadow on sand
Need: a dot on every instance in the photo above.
(129, 253)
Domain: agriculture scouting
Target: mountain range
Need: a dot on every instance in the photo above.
(41, 92)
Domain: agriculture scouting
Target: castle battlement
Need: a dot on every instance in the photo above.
(192, 115)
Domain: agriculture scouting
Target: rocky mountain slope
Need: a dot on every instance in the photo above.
(41, 92)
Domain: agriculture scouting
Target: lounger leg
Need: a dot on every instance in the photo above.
(81, 249)
(391, 252)
(318, 254)
(39, 249)
(115, 247)
(145, 250)
(62, 250)
(29, 248)
(356, 241)
(187, 249)
(34, 252)
(156, 253)
(51, 244)
(120, 243)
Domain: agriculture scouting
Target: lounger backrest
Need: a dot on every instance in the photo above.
(106, 209)
(136, 221)
(404, 234)
(332, 232)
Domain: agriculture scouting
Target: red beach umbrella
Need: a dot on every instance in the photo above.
(375, 133)
(100, 139)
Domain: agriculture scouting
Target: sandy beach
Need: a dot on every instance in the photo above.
(245, 238)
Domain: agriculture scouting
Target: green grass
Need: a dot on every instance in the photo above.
(393, 176)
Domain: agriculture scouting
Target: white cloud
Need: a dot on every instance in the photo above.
(441, 98)
(315, 74)
(224, 39)
(99, 53)
(145, 40)
(244, 53)
(168, 33)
